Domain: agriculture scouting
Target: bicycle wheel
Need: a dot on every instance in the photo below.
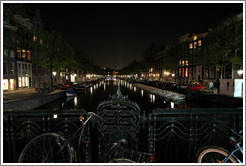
(121, 160)
(214, 155)
(46, 148)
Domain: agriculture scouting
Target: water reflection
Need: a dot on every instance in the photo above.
(96, 94)
(130, 86)
(172, 104)
(152, 98)
(75, 101)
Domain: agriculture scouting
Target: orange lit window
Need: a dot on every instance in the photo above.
(180, 62)
(187, 62)
(183, 63)
(186, 72)
(180, 71)
(199, 43)
(28, 55)
(23, 54)
(195, 44)
(18, 54)
(183, 72)
(191, 45)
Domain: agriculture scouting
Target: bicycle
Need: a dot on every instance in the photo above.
(53, 147)
(220, 155)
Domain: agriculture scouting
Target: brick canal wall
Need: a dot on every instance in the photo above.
(32, 102)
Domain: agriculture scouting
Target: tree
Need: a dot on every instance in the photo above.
(56, 53)
(220, 45)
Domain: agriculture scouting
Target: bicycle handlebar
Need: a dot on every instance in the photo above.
(94, 114)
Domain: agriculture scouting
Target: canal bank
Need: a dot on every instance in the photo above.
(202, 97)
(29, 100)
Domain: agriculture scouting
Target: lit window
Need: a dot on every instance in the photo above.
(187, 62)
(183, 72)
(34, 38)
(180, 62)
(179, 71)
(41, 41)
(23, 54)
(186, 72)
(199, 43)
(183, 63)
(195, 38)
(191, 45)
(18, 54)
(195, 44)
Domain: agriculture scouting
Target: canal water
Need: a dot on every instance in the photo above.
(90, 99)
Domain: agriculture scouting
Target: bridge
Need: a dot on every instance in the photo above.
(171, 135)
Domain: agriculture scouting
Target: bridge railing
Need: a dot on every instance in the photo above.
(19, 127)
(173, 135)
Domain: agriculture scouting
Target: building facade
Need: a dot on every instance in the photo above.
(9, 53)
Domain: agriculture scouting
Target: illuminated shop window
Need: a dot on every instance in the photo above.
(12, 84)
(20, 82)
(199, 43)
(5, 84)
(191, 45)
(180, 71)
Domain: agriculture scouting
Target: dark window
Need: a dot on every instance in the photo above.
(5, 68)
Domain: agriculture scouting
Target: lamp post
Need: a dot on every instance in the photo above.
(54, 74)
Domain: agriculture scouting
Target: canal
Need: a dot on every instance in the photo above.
(90, 99)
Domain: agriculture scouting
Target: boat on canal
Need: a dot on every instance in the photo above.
(70, 92)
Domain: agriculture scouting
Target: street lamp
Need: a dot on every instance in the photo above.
(240, 72)
(54, 73)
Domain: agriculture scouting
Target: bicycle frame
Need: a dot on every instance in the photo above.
(232, 153)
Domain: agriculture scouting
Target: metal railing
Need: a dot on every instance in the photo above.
(173, 135)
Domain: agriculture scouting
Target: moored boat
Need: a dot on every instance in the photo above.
(70, 92)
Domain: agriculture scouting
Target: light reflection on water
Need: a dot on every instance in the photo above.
(90, 99)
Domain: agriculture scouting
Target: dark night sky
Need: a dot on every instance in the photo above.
(114, 34)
